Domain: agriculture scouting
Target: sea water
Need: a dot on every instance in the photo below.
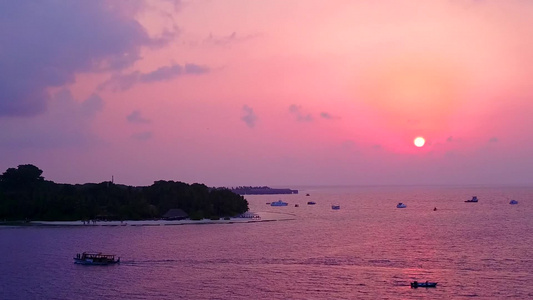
(368, 249)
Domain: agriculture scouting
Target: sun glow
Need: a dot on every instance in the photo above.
(419, 141)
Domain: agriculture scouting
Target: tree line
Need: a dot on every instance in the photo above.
(26, 195)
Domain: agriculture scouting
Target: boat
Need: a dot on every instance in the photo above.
(296, 205)
(95, 258)
(335, 207)
(401, 205)
(427, 284)
(279, 203)
(307, 195)
(311, 203)
(474, 199)
(513, 202)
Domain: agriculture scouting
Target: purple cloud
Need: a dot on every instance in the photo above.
(121, 82)
(45, 43)
(328, 116)
(249, 116)
(229, 39)
(66, 123)
(136, 117)
(300, 116)
(142, 136)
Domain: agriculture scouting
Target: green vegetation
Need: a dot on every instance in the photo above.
(26, 195)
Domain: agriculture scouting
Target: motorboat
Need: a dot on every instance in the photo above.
(279, 203)
(474, 199)
(427, 284)
(307, 195)
(296, 205)
(335, 207)
(311, 203)
(95, 258)
(513, 202)
(401, 205)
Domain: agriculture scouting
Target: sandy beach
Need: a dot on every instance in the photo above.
(247, 218)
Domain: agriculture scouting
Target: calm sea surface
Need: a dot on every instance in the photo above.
(368, 249)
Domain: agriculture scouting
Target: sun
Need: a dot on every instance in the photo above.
(419, 141)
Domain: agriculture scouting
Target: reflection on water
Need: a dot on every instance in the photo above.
(368, 249)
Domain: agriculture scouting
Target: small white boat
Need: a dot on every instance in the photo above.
(279, 203)
(401, 205)
(335, 207)
(513, 202)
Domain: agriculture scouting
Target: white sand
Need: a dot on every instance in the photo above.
(260, 217)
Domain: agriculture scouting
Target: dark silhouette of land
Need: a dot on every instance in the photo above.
(26, 195)
(261, 190)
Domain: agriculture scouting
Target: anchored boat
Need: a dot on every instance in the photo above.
(427, 284)
(279, 203)
(95, 258)
(474, 199)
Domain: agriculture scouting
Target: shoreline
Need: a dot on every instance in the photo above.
(249, 218)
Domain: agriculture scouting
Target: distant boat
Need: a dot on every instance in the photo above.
(474, 199)
(95, 258)
(513, 202)
(427, 284)
(401, 205)
(279, 203)
(335, 207)
(296, 205)
(307, 195)
(311, 203)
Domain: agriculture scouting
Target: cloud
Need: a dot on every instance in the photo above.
(229, 39)
(136, 117)
(45, 43)
(249, 116)
(300, 116)
(142, 136)
(92, 105)
(66, 123)
(328, 116)
(121, 82)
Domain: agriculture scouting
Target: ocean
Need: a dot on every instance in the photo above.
(368, 249)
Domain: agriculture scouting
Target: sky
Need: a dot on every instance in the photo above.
(277, 92)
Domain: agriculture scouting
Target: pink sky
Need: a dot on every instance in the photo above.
(277, 92)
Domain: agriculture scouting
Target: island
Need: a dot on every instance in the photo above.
(26, 195)
(261, 190)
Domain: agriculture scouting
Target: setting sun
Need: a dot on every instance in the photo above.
(419, 141)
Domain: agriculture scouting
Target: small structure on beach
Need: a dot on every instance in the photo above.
(249, 215)
(175, 214)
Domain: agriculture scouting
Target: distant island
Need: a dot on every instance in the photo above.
(26, 195)
(261, 190)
